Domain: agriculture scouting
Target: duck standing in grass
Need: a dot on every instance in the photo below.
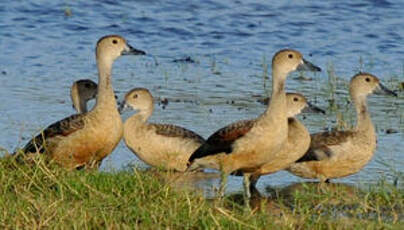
(246, 146)
(343, 153)
(83, 140)
(81, 92)
(298, 138)
(160, 145)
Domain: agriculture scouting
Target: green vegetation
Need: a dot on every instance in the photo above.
(46, 196)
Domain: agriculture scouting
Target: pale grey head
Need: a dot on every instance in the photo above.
(81, 92)
(139, 99)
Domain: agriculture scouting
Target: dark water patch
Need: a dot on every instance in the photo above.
(381, 3)
(180, 32)
(185, 59)
(20, 19)
(370, 35)
(258, 15)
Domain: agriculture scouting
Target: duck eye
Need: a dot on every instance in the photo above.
(115, 41)
(135, 96)
(367, 79)
(295, 99)
(290, 56)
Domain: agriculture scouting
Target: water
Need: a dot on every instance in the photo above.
(43, 51)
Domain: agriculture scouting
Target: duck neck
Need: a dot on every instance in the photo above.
(83, 107)
(105, 96)
(144, 114)
(77, 103)
(138, 119)
(364, 123)
(277, 107)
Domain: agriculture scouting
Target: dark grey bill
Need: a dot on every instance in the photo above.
(312, 109)
(122, 107)
(133, 51)
(384, 90)
(308, 66)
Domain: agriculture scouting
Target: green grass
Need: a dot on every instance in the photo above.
(46, 196)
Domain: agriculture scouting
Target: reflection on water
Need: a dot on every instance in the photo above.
(340, 193)
(230, 44)
(299, 201)
(194, 180)
(275, 199)
(330, 194)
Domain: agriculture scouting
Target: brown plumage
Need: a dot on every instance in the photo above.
(170, 130)
(159, 145)
(63, 127)
(84, 140)
(81, 92)
(342, 153)
(221, 141)
(321, 143)
(259, 144)
(298, 138)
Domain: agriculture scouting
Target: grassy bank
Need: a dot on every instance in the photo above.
(50, 197)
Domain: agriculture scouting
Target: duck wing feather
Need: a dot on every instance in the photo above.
(321, 144)
(169, 130)
(223, 139)
(64, 127)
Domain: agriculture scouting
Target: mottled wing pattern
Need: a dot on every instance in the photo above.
(63, 127)
(223, 139)
(169, 130)
(321, 142)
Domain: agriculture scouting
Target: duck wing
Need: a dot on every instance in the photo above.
(169, 130)
(223, 139)
(63, 127)
(321, 143)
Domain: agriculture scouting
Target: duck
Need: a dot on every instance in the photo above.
(81, 92)
(298, 141)
(84, 140)
(246, 146)
(337, 154)
(165, 146)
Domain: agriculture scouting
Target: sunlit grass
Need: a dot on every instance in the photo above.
(46, 196)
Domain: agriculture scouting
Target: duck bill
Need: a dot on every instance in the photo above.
(308, 66)
(129, 50)
(383, 90)
(312, 109)
(122, 107)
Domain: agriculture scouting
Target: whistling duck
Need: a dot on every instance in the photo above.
(159, 145)
(248, 146)
(298, 141)
(342, 153)
(85, 139)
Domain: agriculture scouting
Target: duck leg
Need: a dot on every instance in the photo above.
(247, 193)
(253, 182)
(223, 182)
